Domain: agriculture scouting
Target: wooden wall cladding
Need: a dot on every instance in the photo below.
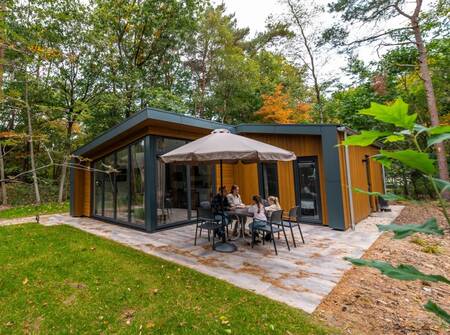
(363, 204)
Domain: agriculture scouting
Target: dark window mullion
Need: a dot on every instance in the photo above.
(129, 183)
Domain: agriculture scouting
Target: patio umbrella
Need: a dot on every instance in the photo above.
(221, 146)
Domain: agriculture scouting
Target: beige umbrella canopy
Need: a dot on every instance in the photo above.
(223, 146)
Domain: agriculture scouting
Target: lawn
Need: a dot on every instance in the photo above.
(32, 210)
(62, 280)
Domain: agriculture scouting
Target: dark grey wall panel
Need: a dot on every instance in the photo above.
(332, 174)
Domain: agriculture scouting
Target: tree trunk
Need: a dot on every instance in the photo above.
(30, 141)
(429, 90)
(62, 181)
(2, 177)
(2, 60)
(311, 65)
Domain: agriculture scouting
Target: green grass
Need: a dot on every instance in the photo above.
(32, 210)
(59, 280)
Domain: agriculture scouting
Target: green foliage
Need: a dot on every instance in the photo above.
(442, 185)
(429, 248)
(430, 227)
(365, 138)
(387, 196)
(83, 283)
(401, 272)
(438, 139)
(433, 308)
(396, 114)
(33, 210)
(417, 160)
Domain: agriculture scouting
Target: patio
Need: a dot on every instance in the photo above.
(300, 278)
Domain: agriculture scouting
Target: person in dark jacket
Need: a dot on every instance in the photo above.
(220, 201)
(220, 205)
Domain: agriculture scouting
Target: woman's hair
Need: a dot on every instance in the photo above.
(233, 188)
(275, 200)
(258, 201)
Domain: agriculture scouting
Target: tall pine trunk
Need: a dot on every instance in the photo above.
(62, 181)
(30, 141)
(431, 99)
(2, 61)
(2, 177)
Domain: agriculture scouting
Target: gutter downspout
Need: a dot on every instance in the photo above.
(349, 179)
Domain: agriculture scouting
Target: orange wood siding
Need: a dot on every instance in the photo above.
(228, 176)
(361, 202)
(82, 192)
(301, 145)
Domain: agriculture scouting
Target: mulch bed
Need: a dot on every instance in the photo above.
(367, 302)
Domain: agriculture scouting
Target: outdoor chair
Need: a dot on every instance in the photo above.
(293, 220)
(208, 221)
(274, 225)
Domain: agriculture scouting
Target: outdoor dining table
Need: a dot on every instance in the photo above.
(240, 213)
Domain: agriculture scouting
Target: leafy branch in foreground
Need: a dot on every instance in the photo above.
(401, 231)
(387, 196)
(401, 272)
(416, 158)
(433, 308)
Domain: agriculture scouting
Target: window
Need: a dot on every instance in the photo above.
(119, 185)
(122, 183)
(268, 179)
(179, 188)
(171, 185)
(137, 184)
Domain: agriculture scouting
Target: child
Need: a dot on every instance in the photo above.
(274, 205)
(259, 217)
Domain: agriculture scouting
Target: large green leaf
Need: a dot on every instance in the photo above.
(439, 130)
(401, 272)
(394, 138)
(396, 114)
(430, 227)
(438, 139)
(414, 159)
(387, 196)
(383, 160)
(442, 185)
(433, 308)
(367, 137)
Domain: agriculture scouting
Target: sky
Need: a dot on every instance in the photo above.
(253, 14)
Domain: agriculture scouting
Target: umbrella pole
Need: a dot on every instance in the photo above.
(223, 246)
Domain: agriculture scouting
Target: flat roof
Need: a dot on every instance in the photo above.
(177, 118)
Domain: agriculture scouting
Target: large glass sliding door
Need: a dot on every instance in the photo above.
(137, 183)
(179, 188)
(119, 185)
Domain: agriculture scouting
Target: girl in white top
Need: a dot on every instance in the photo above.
(274, 205)
(257, 209)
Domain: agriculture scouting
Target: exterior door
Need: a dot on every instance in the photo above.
(308, 189)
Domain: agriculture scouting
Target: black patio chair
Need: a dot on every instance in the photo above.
(274, 225)
(293, 220)
(208, 221)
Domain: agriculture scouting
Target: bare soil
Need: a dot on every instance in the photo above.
(367, 302)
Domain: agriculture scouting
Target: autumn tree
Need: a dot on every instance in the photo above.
(276, 107)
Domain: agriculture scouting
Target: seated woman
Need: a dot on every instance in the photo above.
(274, 205)
(235, 201)
(259, 216)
